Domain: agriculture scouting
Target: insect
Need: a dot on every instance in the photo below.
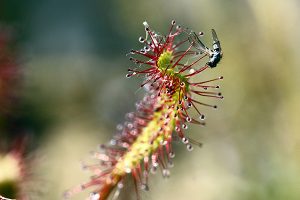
(215, 54)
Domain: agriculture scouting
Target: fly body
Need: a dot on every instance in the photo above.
(215, 54)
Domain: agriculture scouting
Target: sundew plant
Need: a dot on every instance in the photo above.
(143, 144)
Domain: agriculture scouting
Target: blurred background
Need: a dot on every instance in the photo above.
(72, 92)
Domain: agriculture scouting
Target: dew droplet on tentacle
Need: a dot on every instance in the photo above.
(120, 185)
(141, 40)
(192, 71)
(145, 187)
(153, 170)
(147, 28)
(189, 104)
(184, 126)
(170, 164)
(127, 170)
(189, 147)
(129, 125)
(166, 173)
(202, 117)
(130, 116)
(94, 196)
(113, 142)
(154, 164)
(185, 140)
(147, 48)
(188, 119)
(119, 127)
(164, 143)
(172, 154)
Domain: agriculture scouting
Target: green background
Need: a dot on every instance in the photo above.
(74, 92)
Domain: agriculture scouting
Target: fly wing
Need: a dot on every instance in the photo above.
(196, 42)
(216, 42)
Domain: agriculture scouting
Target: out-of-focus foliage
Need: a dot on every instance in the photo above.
(74, 91)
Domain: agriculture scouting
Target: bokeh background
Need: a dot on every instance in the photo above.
(73, 93)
